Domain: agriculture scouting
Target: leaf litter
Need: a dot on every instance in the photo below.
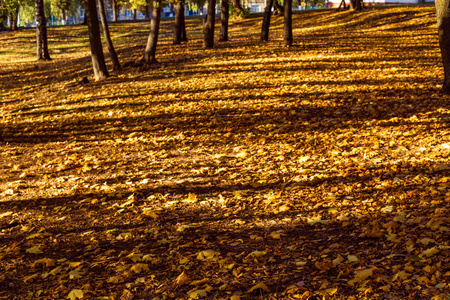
(246, 171)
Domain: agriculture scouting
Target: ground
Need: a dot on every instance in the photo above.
(248, 171)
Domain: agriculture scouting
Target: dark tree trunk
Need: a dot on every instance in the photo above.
(183, 26)
(340, 5)
(150, 50)
(224, 16)
(238, 10)
(98, 59)
(352, 4)
(287, 34)
(279, 8)
(109, 44)
(358, 5)
(208, 28)
(266, 21)
(115, 10)
(443, 24)
(179, 14)
(134, 14)
(13, 16)
(147, 10)
(41, 31)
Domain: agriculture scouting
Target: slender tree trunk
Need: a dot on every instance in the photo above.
(150, 50)
(98, 59)
(134, 14)
(147, 10)
(443, 24)
(178, 32)
(340, 5)
(238, 10)
(41, 32)
(208, 28)
(224, 16)
(287, 23)
(266, 21)
(183, 23)
(279, 8)
(115, 10)
(109, 44)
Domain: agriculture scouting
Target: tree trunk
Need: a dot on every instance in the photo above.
(147, 10)
(352, 4)
(287, 34)
(358, 5)
(179, 13)
(98, 59)
(134, 14)
(41, 32)
(443, 24)
(266, 21)
(109, 44)
(224, 16)
(340, 5)
(279, 8)
(183, 25)
(238, 10)
(150, 50)
(115, 10)
(208, 28)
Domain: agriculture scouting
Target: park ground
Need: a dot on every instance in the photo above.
(248, 171)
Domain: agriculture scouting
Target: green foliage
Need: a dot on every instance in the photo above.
(195, 5)
(238, 14)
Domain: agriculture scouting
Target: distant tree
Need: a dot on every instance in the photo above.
(150, 49)
(41, 32)
(115, 10)
(238, 10)
(278, 8)
(109, 44)
(443, 24)
(180, 25)
(224, 16)
(266, 21)
(98, 59)
(287, 33)
(208, 28)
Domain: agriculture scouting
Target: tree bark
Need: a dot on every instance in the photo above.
(266, 21)
(179, 14)
(98, 59)
(109, 44)
(443, 24)
(352, 4)
(41, 32)
(279, 8)
(183, 25)
(150, 49)
(147, 10)
(287, 23)
(208, 28)
(224, 16)
(358, 6)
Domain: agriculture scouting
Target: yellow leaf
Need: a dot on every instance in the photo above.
(361, 276)
(182, 279)
(402, 275)
(331, 291)
(207, 254)
(30, 278)
(430, 252)
(138, 268)
(75, 294)
(276, 234)
(314, 220)
(184, 227)
(34, 250)
(149, 213)
(6, 214)
(55, 270)
(197, 294)
(261, 286)
(114, 279)
(77, 273)
(199, 282)
(339, 259)
(352, 258)
(235, 297)
(48, 262)
(75, 264)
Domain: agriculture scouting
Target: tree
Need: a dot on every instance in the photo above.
(224, 16)
(238, 10)
(115, 10)
(208, 28)
(443, 24)
(266, 21)
(279, 8)
(287, 33)
(109, 44)
(150, 49)
(180, 25)
(41, 32)
(98, 59)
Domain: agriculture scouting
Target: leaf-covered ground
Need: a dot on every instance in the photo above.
(249, 171)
